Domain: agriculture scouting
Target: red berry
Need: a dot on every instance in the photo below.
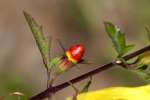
(77, 52)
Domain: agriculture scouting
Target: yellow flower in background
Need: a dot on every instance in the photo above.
(117, 93)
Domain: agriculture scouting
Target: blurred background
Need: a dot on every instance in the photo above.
(71, 21)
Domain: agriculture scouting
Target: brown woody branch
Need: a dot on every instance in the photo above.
(54, 89)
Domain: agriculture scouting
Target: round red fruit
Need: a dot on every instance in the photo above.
(77, 52)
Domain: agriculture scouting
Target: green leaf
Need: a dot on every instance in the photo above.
(118, 39)
(143, 68)
(42, 43)
(143, 74)
(128, 48)
(54, 62)
(87, 85)
(144, 59)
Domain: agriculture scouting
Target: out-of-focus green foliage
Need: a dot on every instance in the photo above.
(118, 39)
(144, 59)
(16, 97)
(142, 65)
(11, 84)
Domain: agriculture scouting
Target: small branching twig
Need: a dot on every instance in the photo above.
(46, 92)
(119, 43)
